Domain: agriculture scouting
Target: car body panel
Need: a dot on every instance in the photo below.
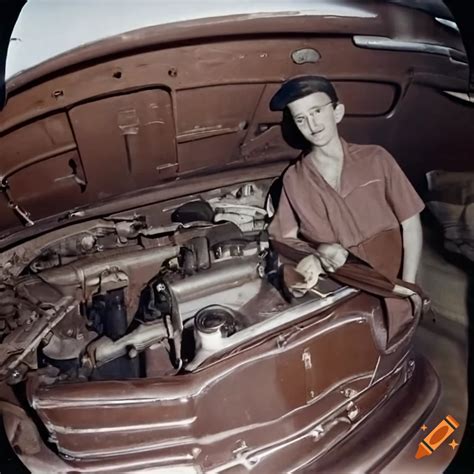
(203, 419)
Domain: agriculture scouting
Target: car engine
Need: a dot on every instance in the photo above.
(145, 293)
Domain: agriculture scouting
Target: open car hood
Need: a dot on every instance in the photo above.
(155, 106)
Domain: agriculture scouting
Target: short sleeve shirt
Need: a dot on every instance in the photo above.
(373, 187)
(376, 189)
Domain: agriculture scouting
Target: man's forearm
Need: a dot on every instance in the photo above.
(293, 248)
(286, 234)
(412, 246)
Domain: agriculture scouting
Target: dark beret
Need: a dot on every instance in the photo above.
(299, 87)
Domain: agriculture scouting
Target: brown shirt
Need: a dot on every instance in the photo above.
(374, 196)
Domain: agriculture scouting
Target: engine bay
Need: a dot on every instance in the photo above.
(146, 293)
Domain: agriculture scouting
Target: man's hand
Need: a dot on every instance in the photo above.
(309, 268)
(332, 256)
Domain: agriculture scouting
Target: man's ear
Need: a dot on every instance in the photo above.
(339, 112)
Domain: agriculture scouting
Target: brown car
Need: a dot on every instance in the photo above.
(142, 321)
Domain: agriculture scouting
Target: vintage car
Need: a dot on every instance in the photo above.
(142, 321)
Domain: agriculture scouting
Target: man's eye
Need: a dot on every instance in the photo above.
(299, 121)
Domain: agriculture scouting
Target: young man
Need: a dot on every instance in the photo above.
(340, 197)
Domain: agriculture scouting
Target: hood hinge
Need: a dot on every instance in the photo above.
(21, 213)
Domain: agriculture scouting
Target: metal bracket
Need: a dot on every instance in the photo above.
(23, 214)
(309, 375)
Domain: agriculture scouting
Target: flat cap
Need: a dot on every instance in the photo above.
(299, 87)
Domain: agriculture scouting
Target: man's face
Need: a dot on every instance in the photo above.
(316, 117)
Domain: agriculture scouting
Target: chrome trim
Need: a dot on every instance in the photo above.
(112, 429)
(461, 95)
(449, 23)
(375, 372)
(382, 42)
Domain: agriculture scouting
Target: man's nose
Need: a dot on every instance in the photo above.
(312, 123)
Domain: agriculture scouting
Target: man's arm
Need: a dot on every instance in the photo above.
(407, 205)
(412, 245)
